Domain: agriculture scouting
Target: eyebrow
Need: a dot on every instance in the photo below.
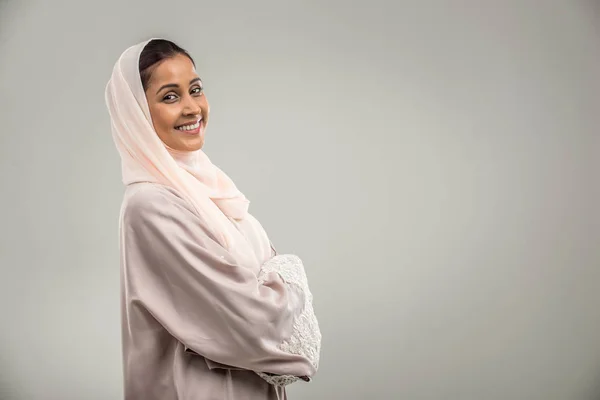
(176, 85)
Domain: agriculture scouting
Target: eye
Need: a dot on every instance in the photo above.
(167, 97)
(198, 89)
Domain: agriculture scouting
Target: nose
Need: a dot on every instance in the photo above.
(191, 107)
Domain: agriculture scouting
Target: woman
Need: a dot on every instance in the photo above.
(209, 309)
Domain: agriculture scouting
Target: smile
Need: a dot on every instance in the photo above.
(191, 129)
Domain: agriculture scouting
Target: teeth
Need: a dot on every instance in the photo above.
(189, 127)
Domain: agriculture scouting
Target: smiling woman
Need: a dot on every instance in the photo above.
(209, 309)
(175, 95)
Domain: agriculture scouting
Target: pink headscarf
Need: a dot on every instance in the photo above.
(146, 158)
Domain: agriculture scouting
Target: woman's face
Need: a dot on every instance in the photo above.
(177, 104)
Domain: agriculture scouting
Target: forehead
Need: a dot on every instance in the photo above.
(173, 70)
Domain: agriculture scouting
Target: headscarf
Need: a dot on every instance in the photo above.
(146, 158)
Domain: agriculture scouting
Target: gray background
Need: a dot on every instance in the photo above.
(434, 163)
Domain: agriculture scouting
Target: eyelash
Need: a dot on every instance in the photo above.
(200, 92)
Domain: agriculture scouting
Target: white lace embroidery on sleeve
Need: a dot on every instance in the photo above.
(305, 339)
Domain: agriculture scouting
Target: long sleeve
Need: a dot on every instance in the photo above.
(305, 339)
(192, 286)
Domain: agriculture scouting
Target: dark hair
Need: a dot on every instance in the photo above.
(154, 52)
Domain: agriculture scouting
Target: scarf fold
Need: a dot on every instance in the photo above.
(223, 191)
(145, 158)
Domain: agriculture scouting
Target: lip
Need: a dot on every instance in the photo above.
(193, 132)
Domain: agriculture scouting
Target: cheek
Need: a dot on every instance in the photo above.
(164, 117)
(203, 102)
(205, 105)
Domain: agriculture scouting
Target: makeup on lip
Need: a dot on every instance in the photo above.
(192, 132)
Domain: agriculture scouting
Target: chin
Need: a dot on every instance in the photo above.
(190, 144)
(196, 146)
(199, 143)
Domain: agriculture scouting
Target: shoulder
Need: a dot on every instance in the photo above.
(146, 200)
(152, 207)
